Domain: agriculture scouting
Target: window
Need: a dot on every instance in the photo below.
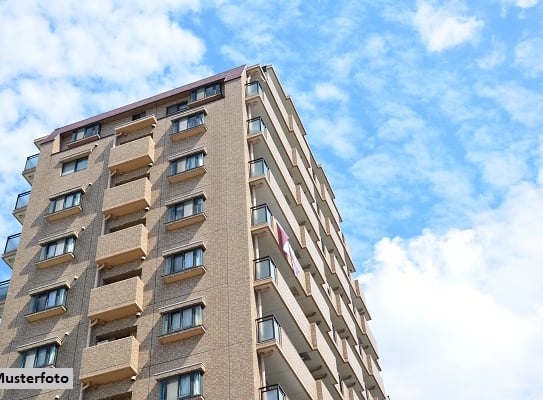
(186, 209)
(182, 319)
(138, 115)
(185, 260)
(57, 248)
(182, 386)
(85, 132)
(187, 163)
(176, 108)
(70, 167)
(205, 91)
(189, 122)
(39, 357)
(65, 201)
(52, 298)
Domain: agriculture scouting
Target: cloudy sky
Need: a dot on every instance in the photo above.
(427, 116)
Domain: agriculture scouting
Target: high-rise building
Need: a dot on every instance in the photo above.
(187, 246)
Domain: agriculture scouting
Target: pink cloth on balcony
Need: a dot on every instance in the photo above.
(288, 250)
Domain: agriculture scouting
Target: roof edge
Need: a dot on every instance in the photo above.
(225, 76)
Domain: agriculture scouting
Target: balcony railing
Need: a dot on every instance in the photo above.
(254, 89)
(272, 392)
(19, 211)
(255, 125)
(4, 286)
(22, 200)
(30, 167)
(261, 215)
(268, 329)
(258, 168)
(265, 268)
(12, 243)
(31, 162)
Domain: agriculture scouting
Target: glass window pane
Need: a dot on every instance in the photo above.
(189, 259)
(187, 318)
(198, 257)
(171, 389)
(178, 263)
(70, 242)
(184, 385)
(198, 315)
(68, 167)
(28, 359)
(51, 299)
(61, 295)
(196, 383)
(69, 201)
(187, 208)
(41, 302)
(82, 164)
(77, 198)
(175, 321)
(52, 355)
(59, 248)
(41, 357)
(51, 250)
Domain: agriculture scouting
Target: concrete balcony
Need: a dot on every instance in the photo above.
(315, 303)
(345, 319)
(127, 198)
(30, 168)
(122, 246)
(134, 126)
(10, 250)
(282, 361)
(352, 366)
(132, 155)
(19, 211)
(110, 362)
(368, 340)
(338, 277)
(314, 254)
(359, 300)
(374, 381)
(277, 299)
(116, 300)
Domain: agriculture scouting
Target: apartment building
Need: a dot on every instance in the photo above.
(187, 246)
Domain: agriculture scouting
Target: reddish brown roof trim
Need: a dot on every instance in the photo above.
(226, 76)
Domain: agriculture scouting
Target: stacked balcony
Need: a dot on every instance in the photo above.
(4, 287)
(116, 300)
(10, 250)
(132, 155)
(110, 362)
(30, 168)
(123, 246)
(19, 211)
(127, 198)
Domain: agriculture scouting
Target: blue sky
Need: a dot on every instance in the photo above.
(426, 115)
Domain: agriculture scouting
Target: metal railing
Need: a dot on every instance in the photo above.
(258, 167)
(4, 286)
(22, 200)
(261, 215)
(254, 88)
(272, 392)
(265, 268)
(31, 162)
(12, 243)
(268, 329)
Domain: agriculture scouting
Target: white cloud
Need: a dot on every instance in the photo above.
(528, 56)
(326, 91)
(523, 105)
(494, 58)
(461, 311)
(441, 29)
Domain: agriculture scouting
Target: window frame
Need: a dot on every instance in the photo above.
(170, 319)
(195, 386)
(197, 255)
(189, 122)
(50, 356)
(174, 168)
(60, 294)
(85, 132)
(203, 92)
(68, 247)
(79, 164)
(178, 107)
(75, 202)
(178, 208)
